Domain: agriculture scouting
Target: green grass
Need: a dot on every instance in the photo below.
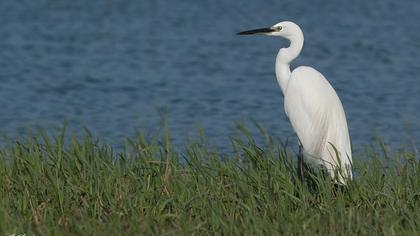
(52, 185)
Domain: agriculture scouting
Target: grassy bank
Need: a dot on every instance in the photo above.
(81, 187)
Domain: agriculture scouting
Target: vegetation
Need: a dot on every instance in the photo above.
(53, 185)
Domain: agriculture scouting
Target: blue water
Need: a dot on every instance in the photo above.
(109, 65)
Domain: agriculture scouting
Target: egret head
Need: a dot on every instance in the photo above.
(285, 29)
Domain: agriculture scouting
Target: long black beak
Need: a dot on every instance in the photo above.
(257, 31)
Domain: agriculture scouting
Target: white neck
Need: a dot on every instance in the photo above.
(286, 56)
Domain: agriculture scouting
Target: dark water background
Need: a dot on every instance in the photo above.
(109, 64)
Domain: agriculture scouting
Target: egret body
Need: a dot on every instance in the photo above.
(312, 106)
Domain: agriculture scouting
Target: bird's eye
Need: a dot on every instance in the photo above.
(278, 28)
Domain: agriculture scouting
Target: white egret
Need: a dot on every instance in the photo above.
(313, 107)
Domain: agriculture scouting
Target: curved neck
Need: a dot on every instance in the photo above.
(285, 57)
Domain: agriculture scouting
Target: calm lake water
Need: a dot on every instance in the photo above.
(109, 65)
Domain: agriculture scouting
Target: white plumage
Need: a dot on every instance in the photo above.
(313, 107)
(318, 118)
